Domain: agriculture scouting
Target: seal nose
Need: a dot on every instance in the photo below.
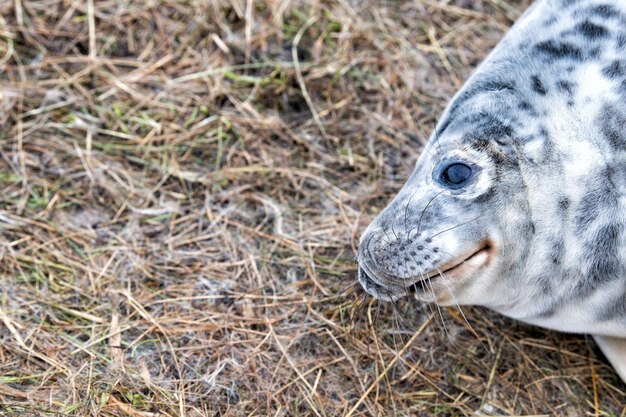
(369, 265)
(373, 288)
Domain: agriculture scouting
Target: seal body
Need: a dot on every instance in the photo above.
(518, 201)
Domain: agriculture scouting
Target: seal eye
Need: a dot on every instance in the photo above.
(455, 175)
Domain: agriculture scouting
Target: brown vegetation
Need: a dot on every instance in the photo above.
(182, 187)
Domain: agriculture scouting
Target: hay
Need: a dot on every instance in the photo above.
(182, 187)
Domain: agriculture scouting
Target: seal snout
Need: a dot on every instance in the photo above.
(391, 265)
(375, 289)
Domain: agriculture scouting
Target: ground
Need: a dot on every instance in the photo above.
(182, 188)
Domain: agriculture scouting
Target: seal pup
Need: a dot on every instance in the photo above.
(518, 202)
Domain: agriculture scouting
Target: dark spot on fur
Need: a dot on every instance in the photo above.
(549, 311)
(549, 21)
(565, 86)
(475, 90)
(592, 30)
(420, 247)
(595, 52)
(524, 105)
(497, 130)
(537, 86)
(559, 50)
(444, 125)
(495, 152)
(486, 197)
(528, 229)
(605, 263)
(614, 70)
(613, 126)
(603, 10)
(557, 251)
(616, 308)
(563, 204)
(427, 257)
(543, 133)
(484, 126)
(601, 197)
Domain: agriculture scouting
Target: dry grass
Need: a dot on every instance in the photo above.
(182, 187)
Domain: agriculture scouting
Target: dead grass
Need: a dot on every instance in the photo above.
(182, 187)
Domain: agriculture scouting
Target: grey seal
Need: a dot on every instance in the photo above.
(518, 201)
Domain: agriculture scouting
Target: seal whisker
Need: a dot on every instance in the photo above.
(421, 128)
(398, 314)
(393, 231)
(422, 214)
(358, 310)
(436, 135)
(458, 225)
(352, 311)
(387, 236)
(396, 324)
(377, 316)
(434, 297)
(428, 305)
(460, 310)
(432, 291)
(406, 209)
(410, 327)
(400, 329)
(348, 288)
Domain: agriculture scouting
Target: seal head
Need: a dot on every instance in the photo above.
(518, 201)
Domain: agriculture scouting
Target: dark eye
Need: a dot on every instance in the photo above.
(455, 175)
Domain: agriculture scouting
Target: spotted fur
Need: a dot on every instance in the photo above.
(542, 122)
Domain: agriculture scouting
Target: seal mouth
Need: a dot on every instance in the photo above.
(463, 264)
